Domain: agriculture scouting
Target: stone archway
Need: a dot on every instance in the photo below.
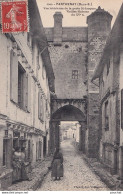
(67, 113)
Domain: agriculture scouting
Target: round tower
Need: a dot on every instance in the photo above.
(99, 23)
(99, 27)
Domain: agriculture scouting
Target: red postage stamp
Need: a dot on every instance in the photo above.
(14, 16)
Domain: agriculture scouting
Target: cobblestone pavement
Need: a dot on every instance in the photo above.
(77, 175)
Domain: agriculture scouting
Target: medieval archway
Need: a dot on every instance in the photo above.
(67, 113)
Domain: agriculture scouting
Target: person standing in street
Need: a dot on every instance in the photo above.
(24, 165)
(57, 165)
(16, 163)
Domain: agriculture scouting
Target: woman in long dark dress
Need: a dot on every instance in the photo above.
(16, 163)
(57, 165)
(24, 175)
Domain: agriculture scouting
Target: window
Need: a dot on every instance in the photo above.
(19, 83)
(106, 116)
(74, 74)
(22, 88)
(13, 77)
(21, 75)
(40, 107)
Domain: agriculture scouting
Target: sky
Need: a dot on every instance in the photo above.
(47, 8)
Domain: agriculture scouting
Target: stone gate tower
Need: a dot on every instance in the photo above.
(74, 53)
(99, 26)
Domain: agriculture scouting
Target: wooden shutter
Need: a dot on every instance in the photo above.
(29, 93)
(39, 105)
(13, 77)
(25, 91)
(42, 109)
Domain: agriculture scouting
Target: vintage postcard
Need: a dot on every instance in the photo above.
(61, 95)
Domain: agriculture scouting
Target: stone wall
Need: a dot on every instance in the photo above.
(65, 58)
(79, 34)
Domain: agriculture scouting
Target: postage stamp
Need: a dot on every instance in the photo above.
(14, 16)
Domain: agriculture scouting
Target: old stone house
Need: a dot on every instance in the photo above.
(109, 71)
(74, 52)
(27, 81)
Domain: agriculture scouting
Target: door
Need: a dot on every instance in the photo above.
(44, 145)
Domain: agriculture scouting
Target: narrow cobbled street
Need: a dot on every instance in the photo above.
(77, 174)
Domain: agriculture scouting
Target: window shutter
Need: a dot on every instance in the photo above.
(42, 109)
(39, 105)
(13, 77)
(29, 93)
(25, 92)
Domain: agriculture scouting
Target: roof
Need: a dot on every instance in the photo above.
(98, 12)
(69, 34)
(115, 38)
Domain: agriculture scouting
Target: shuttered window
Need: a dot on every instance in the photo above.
(40, 107)
(20, 84)
(106, 116)
(29, 94)
(22, 88)
(13, 77)
(21, 75)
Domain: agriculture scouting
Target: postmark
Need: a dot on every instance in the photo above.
(14, 16)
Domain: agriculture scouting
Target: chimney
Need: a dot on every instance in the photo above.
(58, 27)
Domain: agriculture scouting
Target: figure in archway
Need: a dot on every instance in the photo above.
(57, 165)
